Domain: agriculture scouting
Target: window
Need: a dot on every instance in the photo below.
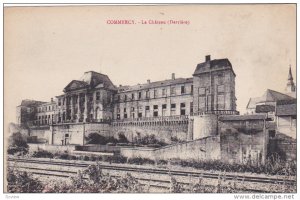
(164, 106)
(118, 110)
(173, 91)
(191, 108)
(182, 89)
(124, 109)
(155, 113)
(163, 92)
(125, 97)
(118, 97)
(221, 102)
(132, 96)
(140, 115)
(173, 109)
(202, 103)
(220, 88)
(192, 89)
(147, 94)
(155, 93)
(132, 109)
(118, 116)
(155, 107)
(97, 96)
(147, 108)
(202, 91)
(140, 95)
(125, 115)
(66, 135)
(221, 79)
(182, 109)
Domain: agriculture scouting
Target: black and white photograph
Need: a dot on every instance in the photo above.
(163, 98)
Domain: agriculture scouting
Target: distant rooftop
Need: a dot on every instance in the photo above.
(242, 117)
(268, 96)
(155, 84)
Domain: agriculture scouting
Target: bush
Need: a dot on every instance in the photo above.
(116, 159)
(86, 158)
(42, 154)
(17, 144)
(95, 138)
(154, 145)
(147, 140)
(162, 162)
(64, 156)
(140, 161)
(122, 138)
(274, 168)
(22, 182)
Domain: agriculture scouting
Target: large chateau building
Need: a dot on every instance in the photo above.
(95, 99)
(199, 111)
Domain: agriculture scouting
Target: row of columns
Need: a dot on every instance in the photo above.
(85, 114)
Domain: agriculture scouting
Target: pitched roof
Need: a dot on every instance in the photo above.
(29, 102)
(286, 107)
(268, 96)
(155, 84)
(242, 117)
(94, 78)
(213, 65)
(271, 95)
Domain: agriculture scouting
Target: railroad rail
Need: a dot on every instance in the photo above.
(160, 183)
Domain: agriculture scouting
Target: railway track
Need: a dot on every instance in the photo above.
(251, 179)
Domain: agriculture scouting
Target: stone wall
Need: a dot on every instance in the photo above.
(243, 141)
(161, 132)
(201, 149)
(51, 148)
(284, 146)
(204, 126)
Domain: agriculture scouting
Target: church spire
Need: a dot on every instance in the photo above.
(290, 78)
(290, 86)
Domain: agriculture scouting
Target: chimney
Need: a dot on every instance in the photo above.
(207, 58)
(120, 85)
(51, 99)
(173, 76)
(148, 81)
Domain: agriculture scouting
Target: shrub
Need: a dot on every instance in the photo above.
(95, 138)
(154, 145)
(140, 161)
(122, 138)
(86, 158)
(22, 182)
(147, 140)
(162, 162)
(64, 156)
(17, 144)
(97, 182)
(42, 154)
(117, 159)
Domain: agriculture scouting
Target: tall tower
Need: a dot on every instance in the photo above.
(214, 86)
(290, 86)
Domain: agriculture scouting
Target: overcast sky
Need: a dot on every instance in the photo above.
(47, 47)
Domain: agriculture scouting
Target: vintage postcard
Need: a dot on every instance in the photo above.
(150, 99)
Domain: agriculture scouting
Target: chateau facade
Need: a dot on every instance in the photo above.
(95, 99)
